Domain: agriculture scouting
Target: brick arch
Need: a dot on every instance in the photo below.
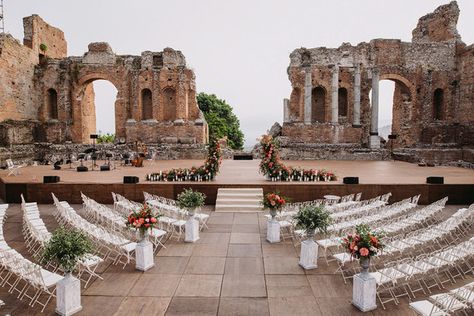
(83, 107)
(402, 107)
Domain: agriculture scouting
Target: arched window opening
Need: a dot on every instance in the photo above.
(147, 104)
(53, 104)
(438, 102)
(169, 104)
(342, 100)
(318, 105)
(295, 104)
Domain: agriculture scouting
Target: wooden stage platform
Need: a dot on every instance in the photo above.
(376, 177)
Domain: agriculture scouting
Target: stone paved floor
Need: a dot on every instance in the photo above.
(231, 270)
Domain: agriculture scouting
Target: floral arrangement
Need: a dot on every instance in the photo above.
(142, 219)
(272, 167)
(206, 172)
(313, 217)
(364, 243)
(273, 201)
(189, 199)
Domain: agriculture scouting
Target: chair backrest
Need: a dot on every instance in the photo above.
(10, 163)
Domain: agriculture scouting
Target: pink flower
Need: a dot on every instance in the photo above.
(364, 252)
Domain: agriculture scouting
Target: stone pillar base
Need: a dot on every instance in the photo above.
(309, 254)
(364, 292)
(374, 142)
(191, 229)
(273, 231)
(144, 256)
(68, 296)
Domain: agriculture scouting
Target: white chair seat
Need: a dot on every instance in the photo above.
(156, 233)
(426, 308)
(330, 242)
(129, 247)
(91, 261)
(50, 278)
(179, 222)
(343, 257)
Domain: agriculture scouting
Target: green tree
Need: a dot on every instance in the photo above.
(221, 120)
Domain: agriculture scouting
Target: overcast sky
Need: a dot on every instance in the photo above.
(238, 48)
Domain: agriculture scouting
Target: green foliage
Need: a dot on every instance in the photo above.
(66, 247)
(221, 120)
(43, 47)
(189, 199)
(106, 138)
(313, 217)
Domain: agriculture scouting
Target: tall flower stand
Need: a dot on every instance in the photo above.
(273, 228)
(191, 229)
(309, 254)
(68, 295)
(144, 254)
(364, 289)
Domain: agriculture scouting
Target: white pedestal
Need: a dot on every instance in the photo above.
(273, 231)
(68, 296)
(191, 230)
(364, 292)
(144, 256)
(309, 254)
(374, 141)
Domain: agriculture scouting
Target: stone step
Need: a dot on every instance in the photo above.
(249, 201)
(240, 190)
(238, 208)
(239, 200)
(242, 196)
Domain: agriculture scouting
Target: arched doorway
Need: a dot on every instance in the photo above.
(395, 110)
(97, 100)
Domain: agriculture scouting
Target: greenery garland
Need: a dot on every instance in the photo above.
(206, 172)
(272, 167)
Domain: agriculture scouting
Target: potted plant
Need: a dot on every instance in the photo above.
(311, 218)
(191, 201)
(66, 248)
(143, 220)
(363, 244)
(274, 202)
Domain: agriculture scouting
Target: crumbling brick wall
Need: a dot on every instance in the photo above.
(433, 96)
(55, 93)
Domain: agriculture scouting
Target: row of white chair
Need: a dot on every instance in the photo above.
(455, 300)
(173, 216)
(36, 236)
(22, 275)
(115, 223)
(112, 246)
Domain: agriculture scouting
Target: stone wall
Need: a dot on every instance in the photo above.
(38, 32)
(433, 97)
(47, 96)
(17, 97)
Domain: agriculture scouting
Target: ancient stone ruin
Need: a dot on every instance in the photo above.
(49, 97)
(329, 113)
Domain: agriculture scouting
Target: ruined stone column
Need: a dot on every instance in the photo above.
(286, 110)
(356, 109)
(308, 86)
(374, 141)
(335, 95)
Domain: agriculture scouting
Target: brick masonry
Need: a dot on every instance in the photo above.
(433, 98)
(48, 97)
